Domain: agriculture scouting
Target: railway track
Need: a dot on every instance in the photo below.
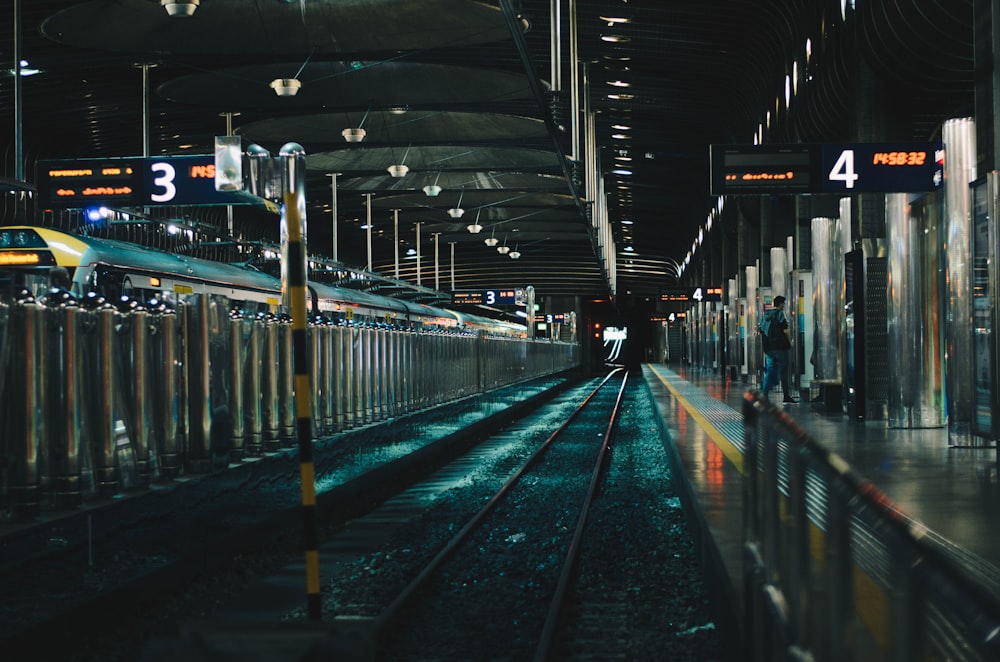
(507, 555)
(372, 552)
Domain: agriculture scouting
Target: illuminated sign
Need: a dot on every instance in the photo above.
(814, 168)
(501, 297)
(739, 169)
(686, 294)
(132, 182)
(26, 259)
(184, 180)
(85, 182)
(468, 298)
(613, 333)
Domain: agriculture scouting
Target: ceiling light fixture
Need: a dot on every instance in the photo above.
(457, 211)
(285, 87)
(515, 254)
(491, 241)
(621, 97)
(180, 8)
(400, 170)
(474, 228)
(354, 135)
(432, 190)
(621, 127)
(619, 83)
(612, 20)
(615, 38)
(503, 250)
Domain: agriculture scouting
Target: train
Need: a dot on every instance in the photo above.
(114, 269)
(123, 365)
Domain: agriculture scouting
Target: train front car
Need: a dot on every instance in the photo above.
(31, 258)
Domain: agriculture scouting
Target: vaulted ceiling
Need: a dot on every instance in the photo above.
(465, 95)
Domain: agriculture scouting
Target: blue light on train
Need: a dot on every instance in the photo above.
(96, 214)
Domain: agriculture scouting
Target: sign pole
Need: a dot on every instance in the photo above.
(295, 203)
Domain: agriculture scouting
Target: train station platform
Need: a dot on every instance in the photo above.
(952, 490)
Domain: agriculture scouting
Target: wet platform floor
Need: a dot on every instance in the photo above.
(951, 488)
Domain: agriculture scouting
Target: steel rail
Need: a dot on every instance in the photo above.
(573, 553)
(389, 615)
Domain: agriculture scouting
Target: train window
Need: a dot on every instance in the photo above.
(36, 282)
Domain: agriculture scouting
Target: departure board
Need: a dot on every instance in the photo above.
(132, 182)
(836, 168)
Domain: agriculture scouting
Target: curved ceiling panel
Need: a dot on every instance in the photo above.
(474, 199)
(321, 27)
(387, 127)
(930, 42)
(355, 86)
(430, 159)
(510, 181)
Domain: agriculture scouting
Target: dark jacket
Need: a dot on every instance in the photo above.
(775, 338)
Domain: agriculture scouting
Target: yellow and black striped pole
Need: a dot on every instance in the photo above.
(295, 268)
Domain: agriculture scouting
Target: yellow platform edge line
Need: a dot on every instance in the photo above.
(870, 601)
(730, 451)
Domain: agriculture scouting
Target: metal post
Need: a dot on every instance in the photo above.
(18, 100)
(437, 274)
(529, 300)
(574, 83)
(295, 271)
(395, 242)
(145, 109)
(555, 45)
(229, 208)
(452, 243)
(418, 253)
(368, 217)
(333, 211)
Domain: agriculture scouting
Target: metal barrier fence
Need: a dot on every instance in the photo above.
(833, 570)
(98, 398)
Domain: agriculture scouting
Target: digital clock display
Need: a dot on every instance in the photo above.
(899, 158)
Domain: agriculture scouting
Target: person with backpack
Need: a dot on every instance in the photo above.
(774, 334)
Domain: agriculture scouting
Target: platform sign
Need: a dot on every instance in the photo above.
(78, 183)
(183, 180)
(837, 168)
(688, 294)
(132, 182)
(502, 297)
(468, 298)
(748, 170)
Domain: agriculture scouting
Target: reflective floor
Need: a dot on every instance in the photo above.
(952, 489)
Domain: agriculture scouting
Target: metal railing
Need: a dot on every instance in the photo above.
(97, 398)
(833, 570)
